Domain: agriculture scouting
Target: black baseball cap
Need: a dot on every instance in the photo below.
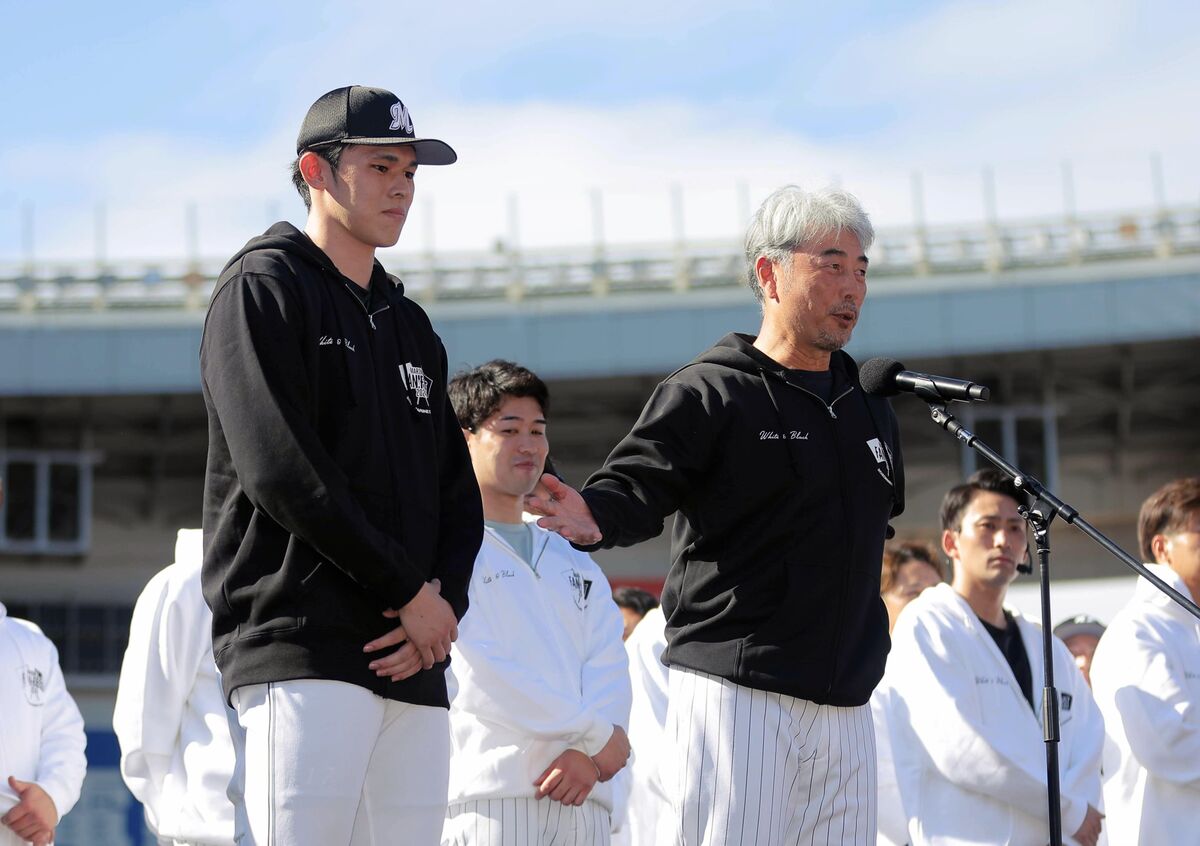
(357, 114)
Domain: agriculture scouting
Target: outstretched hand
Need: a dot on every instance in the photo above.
(563, 510)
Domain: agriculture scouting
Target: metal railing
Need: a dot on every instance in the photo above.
(602, 270)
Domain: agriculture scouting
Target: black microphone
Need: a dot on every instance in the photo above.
(886, 377)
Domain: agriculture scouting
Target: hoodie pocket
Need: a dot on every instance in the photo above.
(800, 630)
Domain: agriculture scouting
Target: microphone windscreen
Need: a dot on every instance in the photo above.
(878, 376)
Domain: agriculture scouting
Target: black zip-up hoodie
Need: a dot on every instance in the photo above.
(783, 502)
(338, 480)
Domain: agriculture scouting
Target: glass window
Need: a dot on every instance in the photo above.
(1025, 435)
(64, 502)
(47, 501)
(1031, 448)
(20, 501)
(90, 638)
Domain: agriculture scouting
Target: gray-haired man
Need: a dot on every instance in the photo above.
(784, 474)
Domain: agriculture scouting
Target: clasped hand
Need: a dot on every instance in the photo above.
(427, 628)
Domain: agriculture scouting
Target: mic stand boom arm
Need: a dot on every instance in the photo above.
(1055, 506)
(1042, 510)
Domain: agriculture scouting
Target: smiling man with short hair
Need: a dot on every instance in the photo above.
(540, 677)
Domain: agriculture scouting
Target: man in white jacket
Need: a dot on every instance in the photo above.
(651, 821)
(909, 569)
(170, 717)
(42, 761)
(41, 737)
(539, 680)
(966, 721)
(1146, 679)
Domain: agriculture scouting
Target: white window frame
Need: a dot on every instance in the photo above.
(42, 460)
(1008, 415)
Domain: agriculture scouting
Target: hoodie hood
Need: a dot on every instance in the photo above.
(737, 352)
(287, 238)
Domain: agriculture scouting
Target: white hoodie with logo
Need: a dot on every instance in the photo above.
(41, 731)
(1146, 678)
(170, 715)
(968, 748)
(538, 667)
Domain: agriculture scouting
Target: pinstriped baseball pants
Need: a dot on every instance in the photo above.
(753, 768)
(525, 822)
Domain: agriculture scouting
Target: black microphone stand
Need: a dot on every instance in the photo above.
(1044, 506)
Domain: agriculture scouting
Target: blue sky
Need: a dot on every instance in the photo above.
(143, 108)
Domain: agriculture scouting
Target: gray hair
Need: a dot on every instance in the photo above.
(792, 218)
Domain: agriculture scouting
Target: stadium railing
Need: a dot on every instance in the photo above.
(601, 270)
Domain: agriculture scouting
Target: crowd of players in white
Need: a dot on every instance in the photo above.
(543, 687)
(557, 732)
(544, 692)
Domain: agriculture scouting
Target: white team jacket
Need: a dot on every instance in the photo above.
(538, 667)
(969, 754)
(1146, 678)
(41, 730)
(650, 815)
(893, 826)
(176, 754)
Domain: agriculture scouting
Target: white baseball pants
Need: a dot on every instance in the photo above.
(324, 763)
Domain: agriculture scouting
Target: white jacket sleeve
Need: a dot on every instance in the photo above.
(1079, 763)
(937, 683)
(1160, 717)
(507, 690)
(606, 685)
(166, 644)
(62, 763)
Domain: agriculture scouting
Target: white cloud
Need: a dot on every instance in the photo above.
(551, 157)
(1019, 87)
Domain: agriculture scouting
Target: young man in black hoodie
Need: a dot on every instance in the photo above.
(784, 475)
(339, 498)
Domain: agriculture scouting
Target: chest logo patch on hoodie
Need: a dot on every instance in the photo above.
(34, 684)
(883, 456)
(418, 385)
(580, 587)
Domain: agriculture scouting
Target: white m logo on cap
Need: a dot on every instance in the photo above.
(400, 118)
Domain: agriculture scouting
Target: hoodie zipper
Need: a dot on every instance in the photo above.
(532, 565)
(841, 599)
(370, 314)
(828, 405)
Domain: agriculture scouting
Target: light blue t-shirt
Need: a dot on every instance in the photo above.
(518, 535)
